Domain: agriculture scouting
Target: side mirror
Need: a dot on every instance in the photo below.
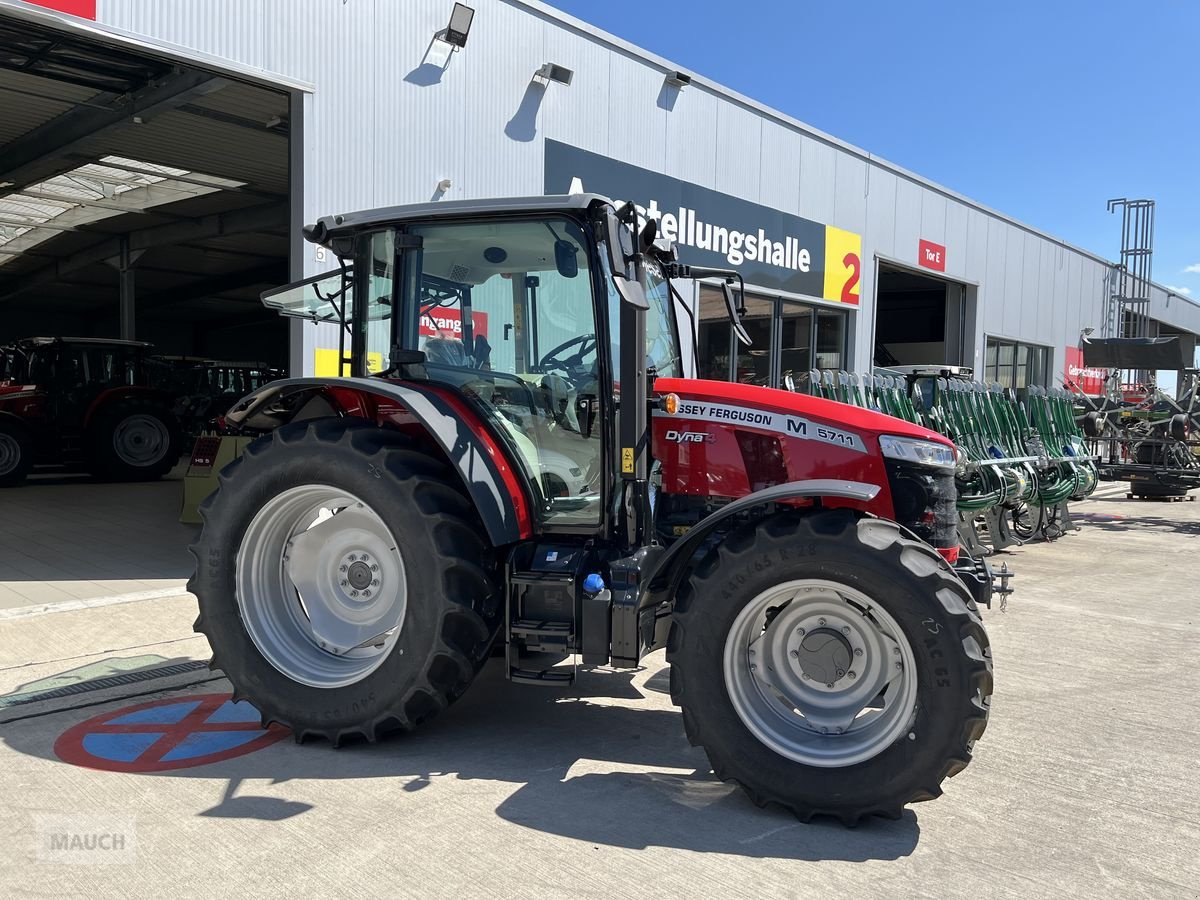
(566, 258)
(733, 308)
(649, 235)
(620, 245)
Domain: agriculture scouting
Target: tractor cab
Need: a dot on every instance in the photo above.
(519, 314)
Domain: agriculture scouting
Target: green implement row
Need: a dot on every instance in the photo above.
(1022, 456)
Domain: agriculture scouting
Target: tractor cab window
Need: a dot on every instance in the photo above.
(505, 314)
(12, 365)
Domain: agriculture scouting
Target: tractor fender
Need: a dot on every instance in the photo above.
(674, 564)
(493, 484)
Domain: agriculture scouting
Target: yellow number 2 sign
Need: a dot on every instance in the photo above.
(843, 265)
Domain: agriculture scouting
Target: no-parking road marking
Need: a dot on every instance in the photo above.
(175, 733)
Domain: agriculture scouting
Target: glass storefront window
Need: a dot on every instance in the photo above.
(831, 339)
(789, 338)
(715, 336)
(754, 361)
(795, 343)
(1015, 365)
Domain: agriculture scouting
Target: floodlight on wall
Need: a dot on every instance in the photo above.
(460, 25)
(678, 79)
(553, 72)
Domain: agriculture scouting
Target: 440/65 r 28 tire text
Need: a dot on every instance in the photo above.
(830, 664)
(342, 582)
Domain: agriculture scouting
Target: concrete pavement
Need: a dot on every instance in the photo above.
(1084, 784)
(67, 539)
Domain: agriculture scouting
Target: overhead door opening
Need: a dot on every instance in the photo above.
(919, 320)
(139, 199)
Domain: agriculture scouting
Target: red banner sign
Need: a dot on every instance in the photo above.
(931, 256)
(1090, 381)
(85, 9)
(447, 323)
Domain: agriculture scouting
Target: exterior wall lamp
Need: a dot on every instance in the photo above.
(553, 72)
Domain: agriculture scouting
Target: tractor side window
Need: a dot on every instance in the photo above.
(506, 316)
(379, 299)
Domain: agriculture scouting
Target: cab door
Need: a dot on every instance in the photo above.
(504, 312)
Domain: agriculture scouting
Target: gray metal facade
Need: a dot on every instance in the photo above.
(381, 128)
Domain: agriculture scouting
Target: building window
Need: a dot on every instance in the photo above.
(789, 338)
(1015, 365)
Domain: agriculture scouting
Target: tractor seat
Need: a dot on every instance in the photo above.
(447, 352)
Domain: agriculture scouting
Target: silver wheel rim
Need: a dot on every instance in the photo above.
(10, 453)
(141, 440)
(783, 646)
(321, 586)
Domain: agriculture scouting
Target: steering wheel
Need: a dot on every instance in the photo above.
(569, 363)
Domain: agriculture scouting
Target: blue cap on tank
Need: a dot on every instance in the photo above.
(593, 584)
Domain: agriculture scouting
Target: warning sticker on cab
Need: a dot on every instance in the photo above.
(782, 423)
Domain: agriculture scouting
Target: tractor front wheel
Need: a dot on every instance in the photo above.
(342, 581)
(830, 664)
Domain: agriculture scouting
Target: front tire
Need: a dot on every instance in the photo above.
(831, 665)
(342, 581)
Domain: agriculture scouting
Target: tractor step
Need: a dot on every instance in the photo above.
(558, 678)
(543, 637)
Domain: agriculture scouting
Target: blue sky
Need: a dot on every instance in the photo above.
(1043, 110)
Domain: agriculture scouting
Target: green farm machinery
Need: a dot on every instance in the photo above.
(1022, 455)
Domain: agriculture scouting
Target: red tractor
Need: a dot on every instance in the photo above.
(87, 403)
(531, 471)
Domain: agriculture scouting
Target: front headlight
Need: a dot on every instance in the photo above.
(917, 452)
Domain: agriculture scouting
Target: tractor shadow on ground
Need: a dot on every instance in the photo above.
(586, 764)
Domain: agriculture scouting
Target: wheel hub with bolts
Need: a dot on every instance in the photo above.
(820, 673)
(824, 655)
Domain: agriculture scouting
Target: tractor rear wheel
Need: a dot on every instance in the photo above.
(133, 439)
(342, 581)
(16, 454)
(830, 665)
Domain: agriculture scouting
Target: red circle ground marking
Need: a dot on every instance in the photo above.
(70, 744)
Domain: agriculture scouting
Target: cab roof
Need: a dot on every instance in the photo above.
(91, 341)
(328, 227)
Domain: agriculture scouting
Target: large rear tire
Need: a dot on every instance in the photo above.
(342, 581)
(133, 439)
(16, 454)
(830, 665)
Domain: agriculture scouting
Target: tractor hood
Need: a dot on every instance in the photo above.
(739, 403)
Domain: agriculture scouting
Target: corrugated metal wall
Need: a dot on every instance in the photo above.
(384, 128)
